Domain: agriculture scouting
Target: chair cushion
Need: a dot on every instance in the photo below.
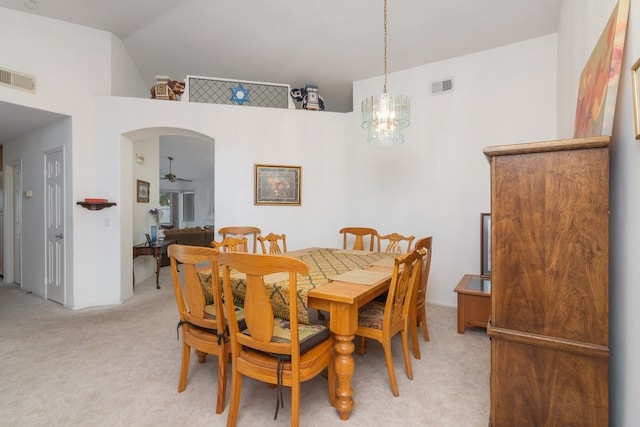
(310, 334)
(371, 315)
(210, 313)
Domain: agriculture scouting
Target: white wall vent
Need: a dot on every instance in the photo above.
(17, 80)
(442, 86)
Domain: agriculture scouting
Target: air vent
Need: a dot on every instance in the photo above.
(17, 80)
(442, 86)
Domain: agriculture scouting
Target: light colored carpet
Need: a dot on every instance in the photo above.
(119, 366)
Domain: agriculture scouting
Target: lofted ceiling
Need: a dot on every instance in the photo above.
(329, 43)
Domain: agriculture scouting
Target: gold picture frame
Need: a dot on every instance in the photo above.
(277, 185)
(635, 75)
(142, 191)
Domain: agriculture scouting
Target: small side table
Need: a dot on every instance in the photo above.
(474, 301)
(156, 250)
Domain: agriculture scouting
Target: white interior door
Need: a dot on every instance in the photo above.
(54, 209)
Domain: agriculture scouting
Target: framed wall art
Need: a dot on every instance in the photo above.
(598, 87)
(142, 191)
(277, 185)
(635, 75)
(485, 244)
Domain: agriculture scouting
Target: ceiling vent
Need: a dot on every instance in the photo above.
(17, 80)
(442, 86)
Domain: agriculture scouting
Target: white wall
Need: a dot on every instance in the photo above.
(585, 20)
(438, 183)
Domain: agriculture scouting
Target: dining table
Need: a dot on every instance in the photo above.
(340, 282)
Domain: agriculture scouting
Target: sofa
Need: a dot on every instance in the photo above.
(192, 236)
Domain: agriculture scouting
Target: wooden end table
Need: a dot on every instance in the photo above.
(474, 301)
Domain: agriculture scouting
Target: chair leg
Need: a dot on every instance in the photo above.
(234, 404)
(202, 356)
(413, 326)
(405, 353)
(184, 367)
(362, 348)
(423, 322)
(295, 404)
(389, 361)
(331, 383)
(222, 379)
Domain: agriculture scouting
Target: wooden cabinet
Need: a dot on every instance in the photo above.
(549, 324)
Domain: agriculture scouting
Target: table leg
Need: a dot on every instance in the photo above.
(344, 373)
(343, 323)
(158, 262)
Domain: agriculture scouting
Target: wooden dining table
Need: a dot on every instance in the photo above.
(343, 300)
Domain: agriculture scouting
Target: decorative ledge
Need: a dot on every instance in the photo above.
(96, 206)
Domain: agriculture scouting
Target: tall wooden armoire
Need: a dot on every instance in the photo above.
(549, 323)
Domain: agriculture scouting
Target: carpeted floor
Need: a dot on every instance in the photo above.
(119, 366)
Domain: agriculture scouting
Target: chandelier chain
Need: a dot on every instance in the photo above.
(385, 47)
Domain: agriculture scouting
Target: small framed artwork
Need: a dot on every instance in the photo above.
(485, 244)
(635, 75)
(142, 191)
(277, 185)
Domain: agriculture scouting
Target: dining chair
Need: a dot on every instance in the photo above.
(395, 242)
(242, 231)
(359, 233)
(273, 242)
(277, 351)
(419, 307)
(230, 244)
(382, 321)
(202, 322)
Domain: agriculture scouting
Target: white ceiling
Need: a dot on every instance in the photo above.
(329, 43)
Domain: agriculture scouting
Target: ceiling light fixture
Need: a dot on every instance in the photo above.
(387, 115)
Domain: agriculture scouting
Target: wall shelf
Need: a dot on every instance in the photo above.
(96, 206)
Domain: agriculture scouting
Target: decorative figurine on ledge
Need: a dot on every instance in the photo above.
(165, 88)
(309, 96)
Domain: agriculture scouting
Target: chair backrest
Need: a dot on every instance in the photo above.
(231, 244)
(242, 231)
(395, 243)
(274, 242)
(424, 244)
(406, 270)
(359, 233)
(259, 315)
(190, 295)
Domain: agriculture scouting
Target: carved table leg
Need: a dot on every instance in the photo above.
(158, 262)
(344, 373)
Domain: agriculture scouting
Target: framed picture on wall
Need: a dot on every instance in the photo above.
(142, 191)
(277, 185)
(485, 244)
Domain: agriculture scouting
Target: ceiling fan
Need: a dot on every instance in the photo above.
(170, 176)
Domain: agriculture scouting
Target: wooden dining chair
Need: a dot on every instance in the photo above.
(382, 321)
(271, 243)
(202, 322)
(419, 307)
(242, 231)
(280, 352)
(359, 234)
(231, 244)
(394, 243)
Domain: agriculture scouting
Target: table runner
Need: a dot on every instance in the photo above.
(324, 264)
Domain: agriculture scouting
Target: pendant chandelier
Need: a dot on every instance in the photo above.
(387, 115)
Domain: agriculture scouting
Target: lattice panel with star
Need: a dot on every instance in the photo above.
(237, 92)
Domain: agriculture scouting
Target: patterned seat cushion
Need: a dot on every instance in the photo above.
(210, 313)
(310, 334)
(371, 315)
